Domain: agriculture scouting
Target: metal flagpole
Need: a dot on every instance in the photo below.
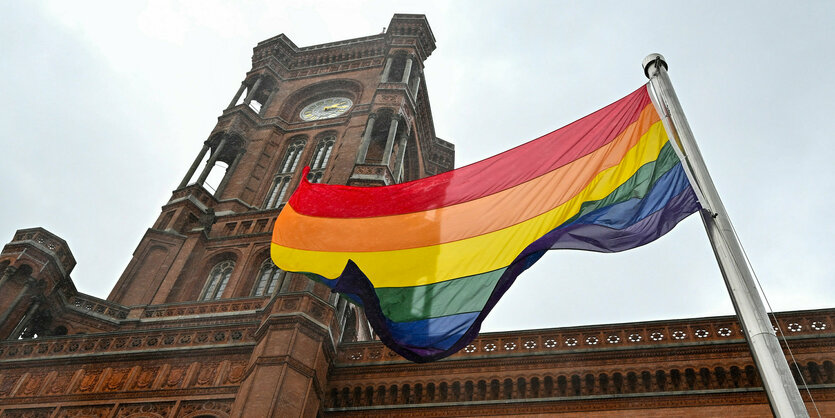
(782, 392)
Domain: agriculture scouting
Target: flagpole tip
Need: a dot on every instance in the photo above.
(649, 64)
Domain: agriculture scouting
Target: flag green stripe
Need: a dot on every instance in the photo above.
(469, 294)
(465, 294)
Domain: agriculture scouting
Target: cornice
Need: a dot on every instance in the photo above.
(698, 332)
(291, 61)
(633, 359)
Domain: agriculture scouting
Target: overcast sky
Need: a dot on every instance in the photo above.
(104, 105)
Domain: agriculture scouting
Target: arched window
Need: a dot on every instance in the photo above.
(217, 280)
(278, 192)
(269, 279)
(291, 159)
(320, 158)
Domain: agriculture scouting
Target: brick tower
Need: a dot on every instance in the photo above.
(201, 324)
(216, 319)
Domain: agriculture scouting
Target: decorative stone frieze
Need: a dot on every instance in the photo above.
(201, 308)
(120, 342)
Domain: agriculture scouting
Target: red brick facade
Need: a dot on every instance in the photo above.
(200, 324)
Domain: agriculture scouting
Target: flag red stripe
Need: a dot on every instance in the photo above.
(495, 174)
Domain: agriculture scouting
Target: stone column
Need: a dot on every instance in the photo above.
(268, 101)
(390, 141)
(386, 71)
(237, 95)
(416, 87)
(194, 165)
(366, 139)
(212, 160)
(7, 274)
(36, 303)
(407, 70)
(252, 91)
(401, 155)
(228, 174)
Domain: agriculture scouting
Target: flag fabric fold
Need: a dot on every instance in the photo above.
(428, 259)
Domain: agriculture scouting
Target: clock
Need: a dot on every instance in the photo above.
(326, 108)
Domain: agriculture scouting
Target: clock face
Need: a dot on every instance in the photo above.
(326, 108)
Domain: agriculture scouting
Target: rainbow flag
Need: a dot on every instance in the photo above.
(429, 259)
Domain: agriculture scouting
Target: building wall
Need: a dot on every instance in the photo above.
(182, 364)
(689, 367)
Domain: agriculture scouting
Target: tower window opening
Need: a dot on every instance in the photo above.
(255, 93)
(216, 176)
(379, 136)
(219, 157)
(217, 280)
(269, 279)
(247, 98)
(398, 65)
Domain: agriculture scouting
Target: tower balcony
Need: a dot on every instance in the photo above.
(194, 192)
(369, 175)
(390, 90)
